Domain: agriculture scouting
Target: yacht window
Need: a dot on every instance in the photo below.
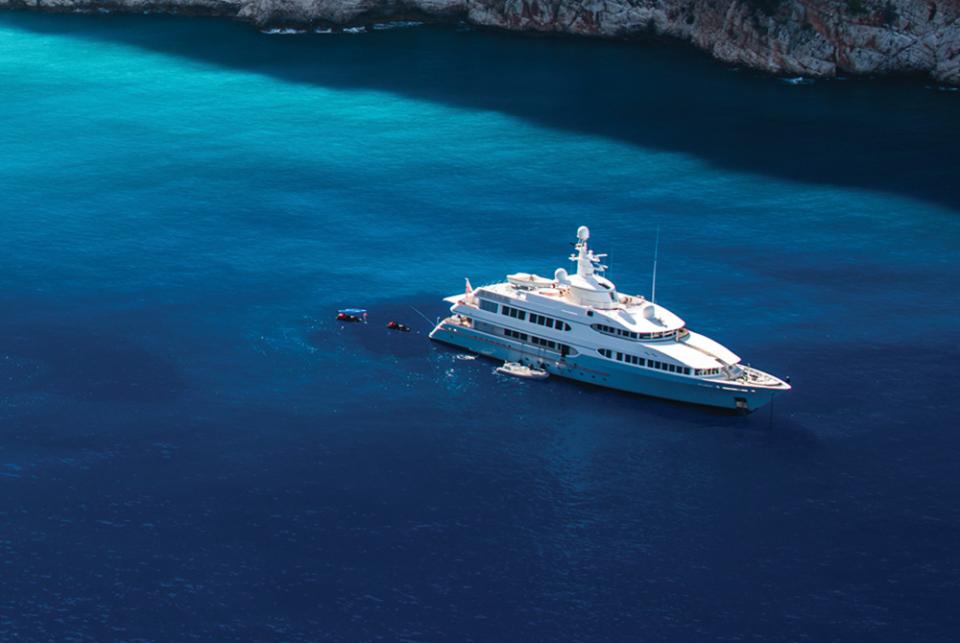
(488, 306)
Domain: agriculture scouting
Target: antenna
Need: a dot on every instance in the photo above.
(656, 254)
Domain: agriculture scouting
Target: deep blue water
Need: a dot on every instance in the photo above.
(193, 449)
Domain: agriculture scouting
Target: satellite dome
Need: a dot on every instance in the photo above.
(583, 233)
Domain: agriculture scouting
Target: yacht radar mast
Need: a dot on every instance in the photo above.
(588, 263)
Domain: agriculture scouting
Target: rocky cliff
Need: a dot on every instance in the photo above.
(806, 37)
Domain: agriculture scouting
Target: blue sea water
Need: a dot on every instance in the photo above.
(192, 449)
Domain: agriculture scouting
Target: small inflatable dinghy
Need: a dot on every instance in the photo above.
(352, 315)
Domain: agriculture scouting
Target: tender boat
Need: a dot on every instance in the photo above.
(516, 369)
(579, 326)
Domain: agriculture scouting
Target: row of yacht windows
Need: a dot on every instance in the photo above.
(629, 334)
(640, 361)
(549, 322)
(516, 313)
(535, 318)
(539, 341)
(652, 363)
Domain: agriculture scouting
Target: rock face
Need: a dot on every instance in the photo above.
(806, 37)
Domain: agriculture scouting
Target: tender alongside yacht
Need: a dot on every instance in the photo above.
(516, 369)
(579, 326)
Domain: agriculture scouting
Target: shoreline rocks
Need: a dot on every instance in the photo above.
(813, 38)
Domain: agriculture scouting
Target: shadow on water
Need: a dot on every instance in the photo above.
(894, 135)
(83, 362)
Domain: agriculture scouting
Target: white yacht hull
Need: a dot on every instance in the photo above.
(603, 372)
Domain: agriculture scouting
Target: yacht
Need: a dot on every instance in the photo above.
(579, 326)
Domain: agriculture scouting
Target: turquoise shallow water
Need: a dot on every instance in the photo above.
(192, 448)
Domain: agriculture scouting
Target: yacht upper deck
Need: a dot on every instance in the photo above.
(586, 296)
(629, 313)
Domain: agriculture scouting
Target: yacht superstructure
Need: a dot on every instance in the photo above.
(579, 326)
